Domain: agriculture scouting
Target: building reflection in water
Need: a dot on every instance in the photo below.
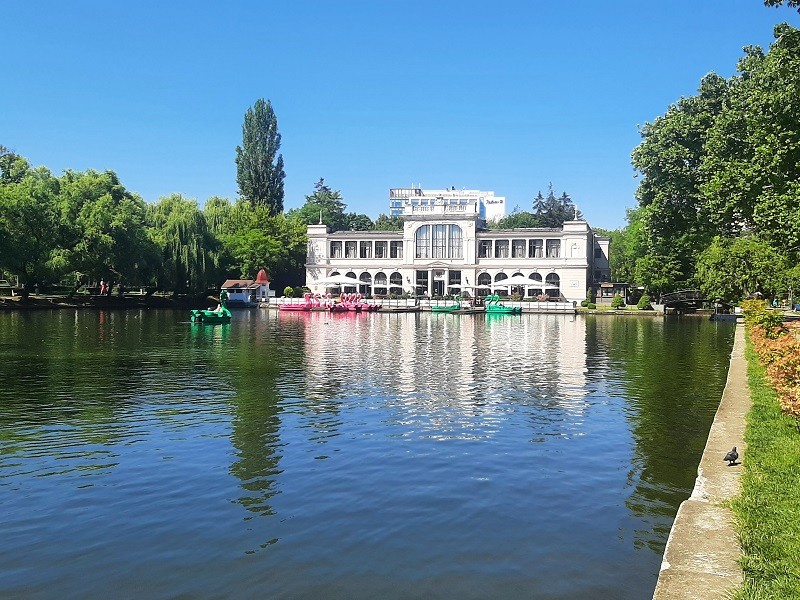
(450, 376)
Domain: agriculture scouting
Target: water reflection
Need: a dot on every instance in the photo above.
(310, 455)
(664, 376)
(448, 377)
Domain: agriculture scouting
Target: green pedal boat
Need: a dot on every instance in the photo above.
(495, 307)
(220, 315)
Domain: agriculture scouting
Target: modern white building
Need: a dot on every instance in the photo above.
(444, 248)
(490, 207)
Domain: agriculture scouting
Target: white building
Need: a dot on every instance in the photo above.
(444, 249)
(490, 207)
(248, 292)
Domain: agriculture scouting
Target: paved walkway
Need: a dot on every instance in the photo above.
(700, 560)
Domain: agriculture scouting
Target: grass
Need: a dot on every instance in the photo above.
(768, 509)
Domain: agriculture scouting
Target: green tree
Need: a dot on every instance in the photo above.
(29, 225)
(518, 219)
(733, 269)
(358, 222)
(789, 3)
(259, 167)
(323, 205)
(659, 273)
(751, 162)
(387, 223)
(103, 228)
(669, 193)
(252, 238)
(189, 251)
(12, 166)
(552, 211)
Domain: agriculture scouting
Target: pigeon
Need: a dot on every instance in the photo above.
(731, 457)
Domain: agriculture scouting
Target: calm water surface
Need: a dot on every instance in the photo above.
(347, 456)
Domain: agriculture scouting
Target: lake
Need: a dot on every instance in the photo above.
(347, 456)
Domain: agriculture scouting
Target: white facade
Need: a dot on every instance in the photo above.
(443, 250)
(414, 200)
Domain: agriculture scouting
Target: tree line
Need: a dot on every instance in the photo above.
(546, 211)
(83, 227)
(719, 191)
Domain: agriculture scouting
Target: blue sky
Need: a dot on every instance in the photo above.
(504, 96)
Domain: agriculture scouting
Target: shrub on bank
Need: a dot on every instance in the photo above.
(644, 303)
(591, 305)
(778, 347)
(617, 302)
(768, 508)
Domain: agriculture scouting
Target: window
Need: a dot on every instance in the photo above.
(456, 245)
(535, 249)
(366, 250)
(396, 250)
(518, 248)
(422, 237)
(396, 280)
(501, 249)
(350, 249)
(439, 241)
(553, 248)
(336, 249)
(380, 249)
(485, 249)
(422, 282)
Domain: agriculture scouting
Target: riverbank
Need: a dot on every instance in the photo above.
(702, 553)
(768, 509)
(41, 302)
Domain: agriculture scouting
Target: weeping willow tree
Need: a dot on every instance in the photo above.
(189, 249)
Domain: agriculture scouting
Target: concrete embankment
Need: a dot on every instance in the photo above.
(700, 560)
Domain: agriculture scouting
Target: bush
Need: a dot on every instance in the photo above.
(757, 314)
(780, 355)
(617, 302)
(585, 303)
(288, 291)
(590, 296)
(591, 305)
(644, 303)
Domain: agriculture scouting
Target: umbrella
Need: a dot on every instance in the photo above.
(515, 281)
(338, 280)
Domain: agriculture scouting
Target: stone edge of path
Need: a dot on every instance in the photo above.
(700, 559)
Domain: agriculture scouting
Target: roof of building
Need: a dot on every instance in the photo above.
(365, 234)
(247, 284)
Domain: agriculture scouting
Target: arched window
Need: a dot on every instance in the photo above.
(484, 283)
(423, 241)
(536, 285)
(396, 280)
(455, 244)
(366, 288)
(439, 241)
(552, 285)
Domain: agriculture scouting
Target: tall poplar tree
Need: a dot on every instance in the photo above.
(259, 167)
